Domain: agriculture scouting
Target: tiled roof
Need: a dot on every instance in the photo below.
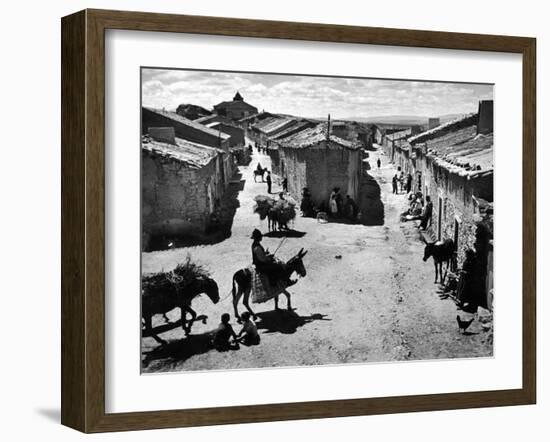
(265, 122)
(182, 120)
(399, 135)
(297, 127)
(194, 155)
(276, 125)
(253, 116)
(313, 136)
(207, 119)
(464, 151)
(457, 146)
(437, 131)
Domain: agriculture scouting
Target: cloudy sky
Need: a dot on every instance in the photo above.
(311, 96)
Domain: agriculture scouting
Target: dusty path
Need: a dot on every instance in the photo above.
(367, 296)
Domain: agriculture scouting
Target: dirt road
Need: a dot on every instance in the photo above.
(367, 296)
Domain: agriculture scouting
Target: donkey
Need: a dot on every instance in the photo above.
(442, 252)
(242, 284)
(162, 300)
(274, 222)
(259, 173)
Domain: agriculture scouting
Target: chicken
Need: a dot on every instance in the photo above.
(463, 325)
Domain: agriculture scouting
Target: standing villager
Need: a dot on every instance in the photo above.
(408, 186)
(268, 181)
(401, 180)
(285, 184)
(335, 202)
(333, 205)
(339, 201)
(469, 290)
(378, 162)
(394, 184)
(427, 213)
(350, 208)
(306, 206)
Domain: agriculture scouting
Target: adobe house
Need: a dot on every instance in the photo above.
(192, 131)
(235, 109)
(453, 164)
(393, 140)
(184, 128)
(236, 140)
(236, 134)
(272, 128)
(320, 162)
(181, 182)
(277, 139)
(256, 131)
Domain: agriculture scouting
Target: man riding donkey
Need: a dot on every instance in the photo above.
(266, 264)
(266, 278)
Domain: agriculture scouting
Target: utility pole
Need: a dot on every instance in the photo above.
(328, 128)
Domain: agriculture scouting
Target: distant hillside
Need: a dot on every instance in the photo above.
(192, 111)
(450, 117)
(404, 120)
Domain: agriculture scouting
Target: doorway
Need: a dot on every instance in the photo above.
(439, 218)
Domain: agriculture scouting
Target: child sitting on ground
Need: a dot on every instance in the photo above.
(223, 334)
(249, 333)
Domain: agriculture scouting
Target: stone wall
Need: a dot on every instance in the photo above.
(196, 135)
(237, 134)
(176, 199)
(320, 169)
(456, 214)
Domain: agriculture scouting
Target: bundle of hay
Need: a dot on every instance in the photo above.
(263, 205)
(284, 211)
(184, 274)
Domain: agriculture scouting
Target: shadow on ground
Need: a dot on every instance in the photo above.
(291, 233)
(161, 329)
(370, 202)
(180, 350)
(285, 321)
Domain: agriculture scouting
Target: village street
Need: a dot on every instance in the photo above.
(367, 296)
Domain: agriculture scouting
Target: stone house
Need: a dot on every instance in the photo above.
(191, 131)
(256, 131)
(239, 152)
(276, 140)
(235, 109)
(272, 128)
(313, 159)
(181, 181)
(393, 139)
(453, 164)
(184, 128)
(247, 122)
(236, 134)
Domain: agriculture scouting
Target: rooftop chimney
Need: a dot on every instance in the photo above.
(485, 117)
(163, 134)
(433, 122)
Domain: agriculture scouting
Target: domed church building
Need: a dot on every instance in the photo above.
(235, 109)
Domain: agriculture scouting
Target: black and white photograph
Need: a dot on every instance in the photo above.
(294, 220)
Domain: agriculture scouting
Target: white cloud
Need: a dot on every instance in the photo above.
(311, 96)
